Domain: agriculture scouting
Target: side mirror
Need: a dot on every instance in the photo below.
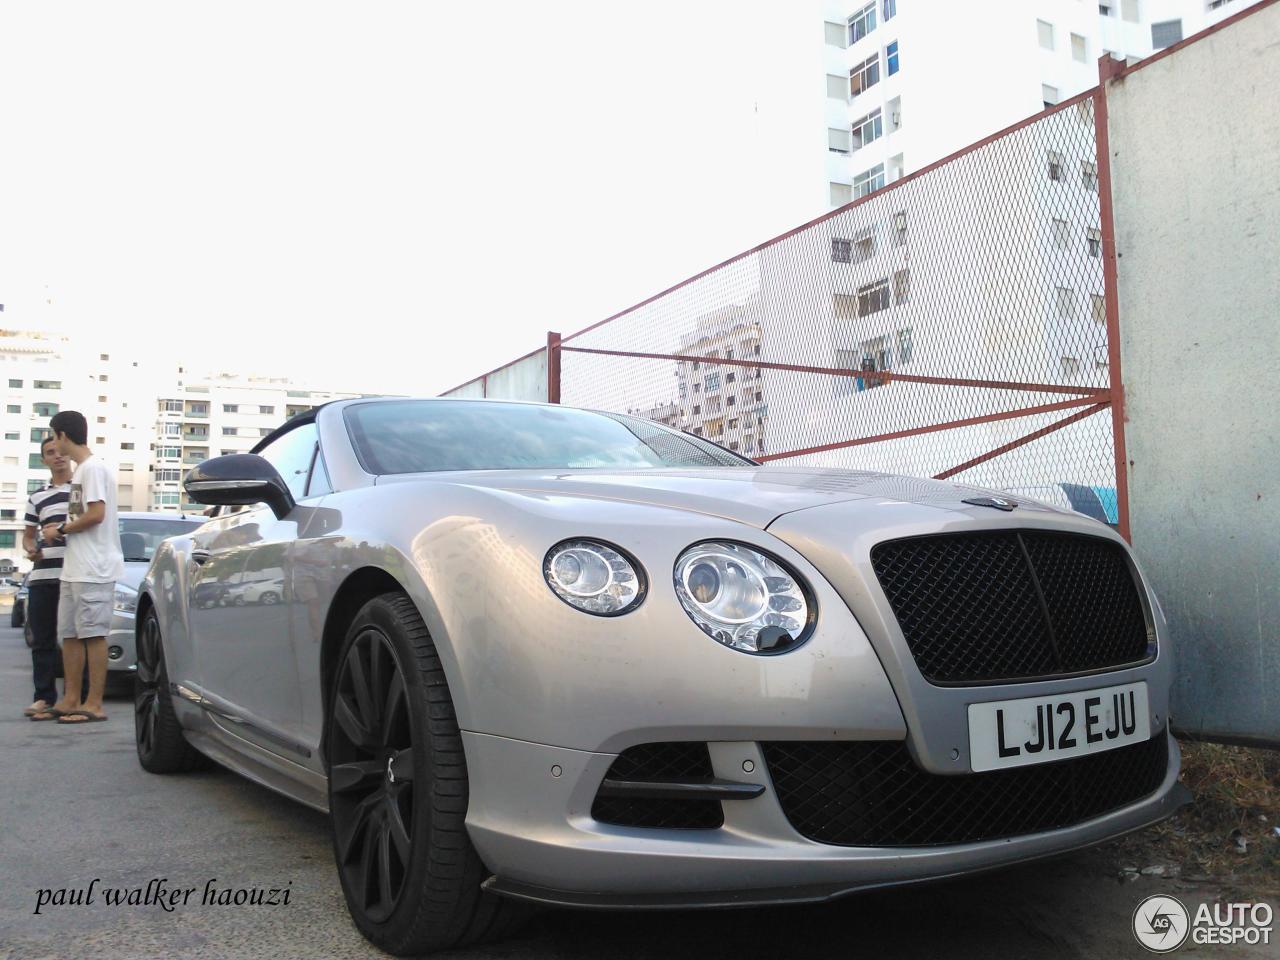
(239, 478)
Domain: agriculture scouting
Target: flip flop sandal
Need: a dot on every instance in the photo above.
(46, 715)
(77, 717)
(32, 711)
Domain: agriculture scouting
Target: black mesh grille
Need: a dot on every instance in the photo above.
(970, 610)
(679, 762)
(874, 795)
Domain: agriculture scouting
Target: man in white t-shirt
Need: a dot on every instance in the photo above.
(90, 568)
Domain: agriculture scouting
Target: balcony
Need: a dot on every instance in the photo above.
(195, 415)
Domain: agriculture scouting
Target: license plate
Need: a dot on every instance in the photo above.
(1015, 733)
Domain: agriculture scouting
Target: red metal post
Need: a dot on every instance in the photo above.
(553, 367)
(1107, 68)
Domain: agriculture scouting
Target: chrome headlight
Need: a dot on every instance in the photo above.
(126, 599)
(594, 577)
(744, 598)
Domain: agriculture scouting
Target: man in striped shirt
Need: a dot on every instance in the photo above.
(47, 505)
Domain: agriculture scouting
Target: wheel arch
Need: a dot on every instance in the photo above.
(359, 587)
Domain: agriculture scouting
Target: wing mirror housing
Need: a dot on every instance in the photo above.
(237, 479)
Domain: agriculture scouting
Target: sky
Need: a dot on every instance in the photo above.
(389, 197)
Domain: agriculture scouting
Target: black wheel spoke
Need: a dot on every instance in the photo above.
(397, 831)
(364, 696)
(354, 830)
(391, 708)
(357, 775)
(356, 732)
(386, 894)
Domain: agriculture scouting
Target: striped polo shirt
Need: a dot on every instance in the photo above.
(48, 505)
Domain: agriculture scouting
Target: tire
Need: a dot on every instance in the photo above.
(162, 747)
(16, 615)
(269, 598)
(398, 792)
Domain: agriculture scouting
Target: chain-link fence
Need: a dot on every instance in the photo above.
(951, 324)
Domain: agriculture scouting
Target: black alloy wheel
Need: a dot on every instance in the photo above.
(398, 791)
(162, 747)
(371, 775)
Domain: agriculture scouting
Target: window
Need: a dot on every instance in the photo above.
(1084, 112)
(102, 419)
(102, 399)
(891, 59)
(1066, 301)
(168, 476)
(230, 431)
(730, 377)
(38, 434)
(840, 193)
(901, 285)
(126, 446)
(44, 409)
(845, 304)
(13, 408)
(862, 23)
(868, 181)
(291, 455)
(126, 468)
(1055, 165)
(102, 378)
(1094, 242)
(8, 537)
(104, 356)
(900, 228)
(1061, 234)
(48, 384)
(867, 129)
(199, 409)
(841, 250)
(836, 88)
(319, 484)
(34, 462)
(1104, 9)
(1049, 95)
(1089, 175)
(230, 408)
(173, 430)
(1129, 10)
(887, 9)
(15, 384)
(34, 485)
(864, 246)
(266, 410)
(14, 435)
(904, 345)
(1166, 33)
(865, 75)
(711, 381)
(834, 34)
(873, 297)
(1045, 32)
(169, 452)
(9, 488)
(1079, 48)
(730, 400)
(838, 140)
(697, 409)
(99, 440)
(1099, 306)
(8, 514)
(266, 431)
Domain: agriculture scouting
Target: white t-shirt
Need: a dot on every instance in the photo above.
(93, 555)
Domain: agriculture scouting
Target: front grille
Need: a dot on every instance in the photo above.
(992, 606)
(658, 762)
(872, 794)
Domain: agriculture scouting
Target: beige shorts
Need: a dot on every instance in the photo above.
(84, 609)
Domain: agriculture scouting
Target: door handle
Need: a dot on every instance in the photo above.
(200, 556)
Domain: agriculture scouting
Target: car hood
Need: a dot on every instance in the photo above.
(755, 496)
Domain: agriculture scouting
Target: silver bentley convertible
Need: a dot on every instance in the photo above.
(528, 653)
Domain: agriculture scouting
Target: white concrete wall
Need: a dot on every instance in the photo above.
(1195, 141)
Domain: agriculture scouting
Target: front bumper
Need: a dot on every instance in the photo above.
(122, 635)
(529, 817)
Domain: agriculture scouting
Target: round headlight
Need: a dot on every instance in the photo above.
(743, 597)
(594, 577)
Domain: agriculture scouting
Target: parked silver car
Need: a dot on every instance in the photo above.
(140, 534)
(524, 652)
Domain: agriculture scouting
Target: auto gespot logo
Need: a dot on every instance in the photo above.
(1162, 923)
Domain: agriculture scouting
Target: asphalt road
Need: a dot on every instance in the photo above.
(75, 807)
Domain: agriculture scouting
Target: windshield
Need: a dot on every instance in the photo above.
(139, 538)
(417, 436)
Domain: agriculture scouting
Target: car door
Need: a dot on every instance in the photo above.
(248, 668)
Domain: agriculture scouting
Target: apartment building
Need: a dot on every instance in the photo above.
(911, 81)
(151, 420)
(212, 416)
